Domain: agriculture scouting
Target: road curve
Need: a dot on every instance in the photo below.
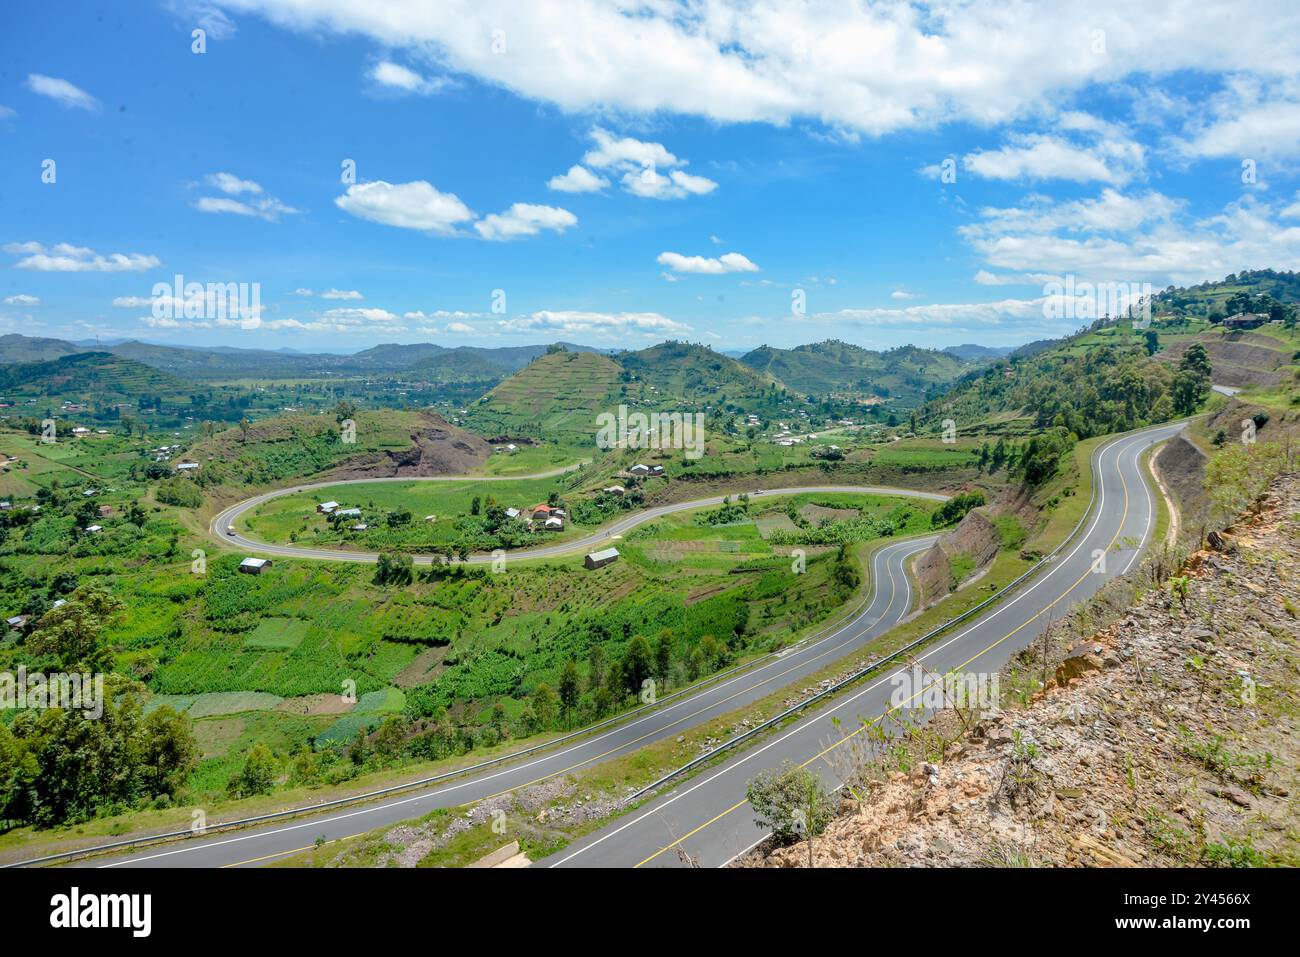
(890, 603)
(600, 537)
(708, 818)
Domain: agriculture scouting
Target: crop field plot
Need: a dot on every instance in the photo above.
(277, 634)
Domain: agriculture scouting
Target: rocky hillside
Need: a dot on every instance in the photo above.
(1169, 738)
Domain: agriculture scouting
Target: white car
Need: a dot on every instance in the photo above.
(230, 530)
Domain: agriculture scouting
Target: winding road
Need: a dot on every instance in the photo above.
(601, 537)
(707, 817)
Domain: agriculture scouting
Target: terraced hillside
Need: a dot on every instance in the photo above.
(93, 377)
(559, 394)
(17, 348)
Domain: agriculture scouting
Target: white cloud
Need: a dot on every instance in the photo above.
(578, 179)
(61, 91)
(637, 163)
(964, 315)
(22, 299)
(395, 77)
(729, 262)
(1118, 238)
(7, 112)
(1044, 157)
(524, 219)
(341, 294)
(303, 291)
(64, 257)
(358, 314)
(860, 68)
(459, 328)
(415, 205)
(232, 185)
(1248, 119)
(612, 325)
(268, 208)
(902, 294)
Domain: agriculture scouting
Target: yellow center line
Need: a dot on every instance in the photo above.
(899, 707)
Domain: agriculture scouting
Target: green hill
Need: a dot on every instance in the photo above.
(684, 373)
(90, 377)
(1249, 291)
(906, 374)
(557, 395)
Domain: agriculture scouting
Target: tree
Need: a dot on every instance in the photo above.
(1152, 342)
(1190, 389)
(1196, 359)
(596, 665)
(258, 773)
(543, 704)
(637, 664)
(170, 753)
(664, 657)
(394, 568)
(71, 633)
(569, 690)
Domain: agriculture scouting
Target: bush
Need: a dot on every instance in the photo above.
(791, 801)
(180, 491)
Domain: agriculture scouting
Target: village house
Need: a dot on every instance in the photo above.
(94, 529)
(639, 469)
(513, 513)
(553, 524)
(187, 466)
(1245, 320)
(254, 566)
(327, 508)
(601, 558)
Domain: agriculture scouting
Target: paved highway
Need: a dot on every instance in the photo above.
(708, 818)
(890, 603)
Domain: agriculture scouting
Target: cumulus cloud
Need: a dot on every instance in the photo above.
(578, 179)
(862, 68)
(637, 164)
(706, 265)
(22, 299)
(415, 205)
(341, 294)
(1126, 238)
(525, 219)
(64, 257)
(62, 92)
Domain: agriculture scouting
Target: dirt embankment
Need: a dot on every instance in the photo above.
(975, 538)
(1167, 739)
(1239, 358)
(1181, 465)
(437, 448)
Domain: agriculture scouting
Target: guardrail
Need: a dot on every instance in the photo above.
(894, 655)
(147, 839)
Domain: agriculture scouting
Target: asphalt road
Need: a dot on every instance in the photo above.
(603, 537)
(891, 601)
(707, 817)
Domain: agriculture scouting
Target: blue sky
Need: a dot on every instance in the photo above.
(730, 160)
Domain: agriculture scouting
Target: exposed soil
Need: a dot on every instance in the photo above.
(437, 448)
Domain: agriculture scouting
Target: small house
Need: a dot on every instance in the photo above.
(614, 490)
(553, 524)
(656, 470)
(360, 527)
(94, 529)
(327, 508)
(348, 512)
(5, 506)
(540, 511)
(1245, 320)
(513, 513)
(105, 511)
(254, 566)
(187, 466)
(639, 469)
(17, 622)
(601, 558)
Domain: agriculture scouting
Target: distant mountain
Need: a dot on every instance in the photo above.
(907, 373)
(970, 352)
(693, 374)
(18, 348)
